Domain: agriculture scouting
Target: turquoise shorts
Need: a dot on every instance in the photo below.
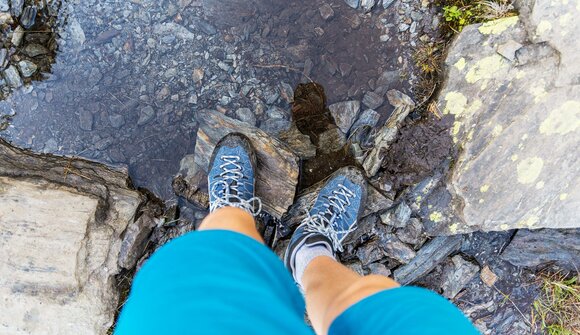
(221, 282)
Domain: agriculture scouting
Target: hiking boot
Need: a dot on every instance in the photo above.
(332, 217)
(231, 175)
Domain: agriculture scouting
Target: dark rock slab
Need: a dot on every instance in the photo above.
(277, 175)
(432, 253)
(533, 248)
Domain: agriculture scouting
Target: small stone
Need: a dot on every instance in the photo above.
(28, 17)
(326, 12)
(117, 120)
(27, 68)
(379, 269)
(353, 3)
(402, 215)
(287, 92)
(246, 115)
(373, 100)
(412, 233)
(369, 118)
(403, 27)
(16, 7)
(4, 6)
(17, 36)
(387, 3)
(413, 28)
(319, 31)
(86, 120)
(367, 5)
(331, 140)
(384, 38)
(487, 276)
(3, 57)
(277, 113)
(457, 275)
(509, 49)
(146, 114)
(345, 69)
(12, 77)
(33, 50)
(344, 114)
(198, 74)
(397, 250)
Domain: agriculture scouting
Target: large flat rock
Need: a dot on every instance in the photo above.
(277, 175)
(61, 227)
(514, 115)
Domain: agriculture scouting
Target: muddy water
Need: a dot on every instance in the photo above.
(124, 79)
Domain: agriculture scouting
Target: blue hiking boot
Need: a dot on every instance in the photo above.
(332, 217)
(231, 175)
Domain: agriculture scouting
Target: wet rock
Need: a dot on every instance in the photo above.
(521, 129)
(331, 140)
(326, 12)
(373, 100)
(277, 113)
(397, 250)
(287, 92)
(173, 29)
(344, 113)
(387, 3)
(246, 115)
(534, 248)
(79, 218)
(28, 17)
(277, 179)
(403, 105)
(204, 26)
(367, 5)
(12, 77)
(17, 36)
(198, 75)
(368, 118)
(428, 257)
(345, 69)
(146, 114)
(353, 3)
(135, 240)
(27, 68)
(16, 7)
(4, 6)
(85, 120)
(33, 50)
(298, 142)
(117, 120)
(457, 275)
(275, 126)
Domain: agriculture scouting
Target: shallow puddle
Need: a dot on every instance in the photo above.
(128, 77)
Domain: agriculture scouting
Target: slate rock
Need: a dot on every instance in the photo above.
(428, 257)
(146, 114)
(534, 248)
(3, 57)
(457, 275)
(368, 118)
(379, 269)
(387, 3)
(28, 17)
(12, 77)
(373, 100)
(412, 233)
(27, 68)
(246, 115)
(117, 120)
(34, 49)
(298, 142)
(402, 215)
(397, 250)
(367, 5)
(326, 12)
(203, 26)
(4, 6)
(353, 3)
(344, 114)
(17, 36)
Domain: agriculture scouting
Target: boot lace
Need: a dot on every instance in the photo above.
(324, 221)
(226, 190)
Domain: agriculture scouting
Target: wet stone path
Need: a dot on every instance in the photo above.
(121, 81)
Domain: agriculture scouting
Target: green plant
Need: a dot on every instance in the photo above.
(557, 310)
(458, 17)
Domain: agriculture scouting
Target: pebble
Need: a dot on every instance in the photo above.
(353, 3)
(146, 114)
(384, 38)
(17, 36)
(412, 233)
(117, 120)
(198, 74)
(367, 5)
(27, 68)
(326, 12)
(85, 120)
(403, 27)
(28, 17)
(345, 69)
(413, 28)
(246, 115)
(16, 7)
(4, 6)
(387, 3)
(12, 77)
(33, 50)
(344, 113)
(204, 26)
(3, 57)
(276, 113)
(373, 100)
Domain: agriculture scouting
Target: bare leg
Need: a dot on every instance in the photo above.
(233, 219)
(332, 287)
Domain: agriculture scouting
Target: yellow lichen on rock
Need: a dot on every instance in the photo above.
(498, 26)
(484, 188)
(460, 65)
(455, 103)
(562, 120)
(529, 222)
(529, 169)
(563, 196)
(486, 68)
(436, 217)
(497, 130)
(543, 27)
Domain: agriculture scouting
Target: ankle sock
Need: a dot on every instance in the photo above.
(305, 255)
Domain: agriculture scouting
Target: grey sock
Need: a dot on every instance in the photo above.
(305, 255)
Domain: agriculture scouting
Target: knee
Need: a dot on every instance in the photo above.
(233, 219)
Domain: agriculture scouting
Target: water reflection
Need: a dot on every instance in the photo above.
(130, 75)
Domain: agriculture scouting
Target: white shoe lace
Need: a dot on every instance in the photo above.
(231, 175)
(323, 222)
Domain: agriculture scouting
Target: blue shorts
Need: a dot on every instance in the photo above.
(221, 282)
